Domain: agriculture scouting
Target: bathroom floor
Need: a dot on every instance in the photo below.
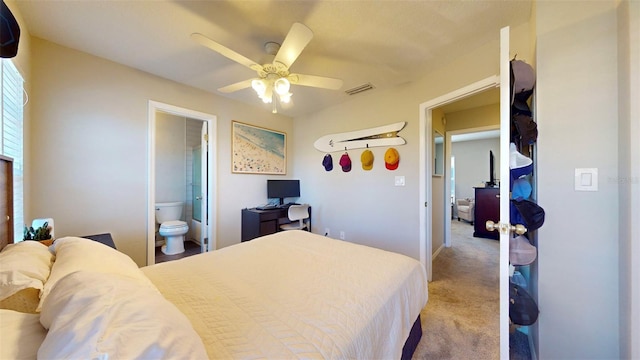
(190, 248)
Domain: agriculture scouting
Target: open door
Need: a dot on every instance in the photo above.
(504, 228)
(204, 142)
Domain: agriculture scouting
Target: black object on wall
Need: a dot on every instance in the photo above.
(492, 173)
(9, 32)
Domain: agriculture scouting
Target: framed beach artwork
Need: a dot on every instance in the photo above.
(256, 150)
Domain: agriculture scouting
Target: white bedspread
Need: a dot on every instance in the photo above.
(297, 295)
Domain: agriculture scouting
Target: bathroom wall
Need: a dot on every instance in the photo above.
(171, 180)
(193, 131)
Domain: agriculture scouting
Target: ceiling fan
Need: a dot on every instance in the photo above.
(274, 79)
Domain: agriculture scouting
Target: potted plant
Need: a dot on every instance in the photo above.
(41, 233)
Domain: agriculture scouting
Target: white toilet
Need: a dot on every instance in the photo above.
(171, 228)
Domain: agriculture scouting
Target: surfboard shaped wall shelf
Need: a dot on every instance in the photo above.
(386, 135)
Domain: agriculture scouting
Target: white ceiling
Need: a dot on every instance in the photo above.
(385, 43)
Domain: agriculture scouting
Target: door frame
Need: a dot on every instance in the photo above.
(425, 183)
(211, 120)
(204, 188)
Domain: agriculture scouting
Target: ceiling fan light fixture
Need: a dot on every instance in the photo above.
(281, 86)
(267, 97)
(285, 98)
(260, 86)
(274, 80)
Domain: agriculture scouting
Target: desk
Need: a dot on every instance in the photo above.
(256, 223)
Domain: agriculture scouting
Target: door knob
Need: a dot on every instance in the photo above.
(505, 228)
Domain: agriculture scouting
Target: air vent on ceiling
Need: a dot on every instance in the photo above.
(360, 88)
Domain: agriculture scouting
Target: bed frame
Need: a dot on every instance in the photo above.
(412, 341)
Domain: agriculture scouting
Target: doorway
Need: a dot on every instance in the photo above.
(473, 166)
(205, 187)
(425, 184)
(425, 177)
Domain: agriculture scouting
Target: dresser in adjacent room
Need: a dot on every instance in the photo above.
(487, 208)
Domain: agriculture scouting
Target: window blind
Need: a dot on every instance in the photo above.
(12, 136)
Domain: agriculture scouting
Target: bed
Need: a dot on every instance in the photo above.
(289, 295)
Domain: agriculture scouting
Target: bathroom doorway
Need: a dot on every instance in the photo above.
(182, 168)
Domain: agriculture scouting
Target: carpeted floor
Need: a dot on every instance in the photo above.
(461, 318)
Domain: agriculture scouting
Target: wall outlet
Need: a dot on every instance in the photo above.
(327, 232)
(342, 235)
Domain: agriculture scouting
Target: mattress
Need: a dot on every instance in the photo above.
(295, 294)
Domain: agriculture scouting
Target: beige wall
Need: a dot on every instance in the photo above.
(377, 213)
(171, 144)
(438, 198)
(438, 124)
(89, 137)
(438, 201)
(629, 179)
(481, 116)
(577, 115)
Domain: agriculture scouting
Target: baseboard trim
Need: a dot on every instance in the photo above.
(433, 257)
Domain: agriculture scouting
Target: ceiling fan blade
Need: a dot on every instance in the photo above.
(297, 39)
(237, 86)
(225, 51)
(315, 81)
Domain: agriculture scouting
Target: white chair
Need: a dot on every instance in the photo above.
(466, 209)
(36, 223)
(297, 215)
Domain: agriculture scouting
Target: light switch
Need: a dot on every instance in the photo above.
(586, 179)
(399, 181)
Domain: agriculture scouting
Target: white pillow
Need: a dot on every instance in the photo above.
(22, 335)
(75, 254)
(105, 316)
(24, 265)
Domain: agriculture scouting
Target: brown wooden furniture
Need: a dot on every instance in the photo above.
(6, 201)
(256, 223)
(487, 208)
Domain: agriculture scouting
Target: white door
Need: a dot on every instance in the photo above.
(204, 221)
(505, 126)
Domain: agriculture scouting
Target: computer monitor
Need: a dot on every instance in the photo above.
(281, 189)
